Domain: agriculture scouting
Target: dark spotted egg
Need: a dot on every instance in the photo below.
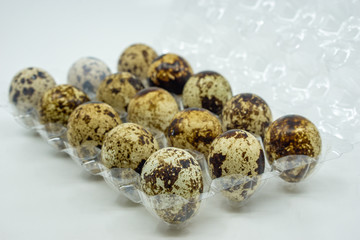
(87, 73)
(128, 145)
(208, 89)
(118, 89)
(136, 60)
(169, 71)
(175, 177)
(27, 88)
(193, 128)
(59, 102)
(88, 124)
(236, 160)
(246, 111)
(294, 143)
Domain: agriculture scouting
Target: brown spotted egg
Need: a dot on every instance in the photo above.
(153, 108)
(118, 89)
(136, 59)
(27, 88)
(294, 143)
(59, 102)
(193, 128)
(88, 125)
(246, 111)
(236, 159)
(174, 177)
(169, 71)
(128, 145)
(87, 73)
(208, 90)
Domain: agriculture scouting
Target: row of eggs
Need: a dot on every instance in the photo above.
(131, 145)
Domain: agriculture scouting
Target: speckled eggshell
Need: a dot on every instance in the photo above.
(152, 108)
(87, 73)
(297, 139)
(169, 71)
(193, 128)
(27, 88)
(234, 156)
(247, 111)
(118, 89)
(176, 174)
(88, 125)
(128, 145)
(136, 59)
(59, 102)
(208, 90)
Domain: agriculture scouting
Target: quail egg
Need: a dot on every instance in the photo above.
(88, 125)
(169, 71)
(117, 90)
(246, 111)
(136, 59)
(87, 73)
(128, 145)
(27, 88)
(293, 145)
(236, 160)
(59, 102)
(153, 108)
(208, 90)
(173, 179)
(193, 128)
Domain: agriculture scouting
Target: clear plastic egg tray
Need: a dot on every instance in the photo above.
(290, 53)
(127, 182)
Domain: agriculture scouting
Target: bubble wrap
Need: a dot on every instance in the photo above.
(300, 56)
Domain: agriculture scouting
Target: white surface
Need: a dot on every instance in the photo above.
(46, 196)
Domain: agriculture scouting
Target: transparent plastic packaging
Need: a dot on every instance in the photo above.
(289, 53)
(300, 57)
(178, 210)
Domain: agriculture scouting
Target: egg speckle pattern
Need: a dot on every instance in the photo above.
(208, 90)
(87, 73)
(193, 128)
(169, 71)
(233, 155)
(128, 145)
(173, 171)
(247, 111)
(88, 125)
(136, 59)
(59, 102)
(297, 139)
(27, 88)
(118, 89)
(153, 108)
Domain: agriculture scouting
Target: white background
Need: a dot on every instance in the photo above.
(44, 195)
